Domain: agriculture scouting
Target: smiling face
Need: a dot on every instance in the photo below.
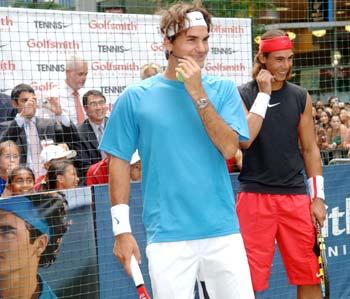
(9, 159)
(192, 42)
(69, 179)
(96, 108)
(279, 64)
(22, 183)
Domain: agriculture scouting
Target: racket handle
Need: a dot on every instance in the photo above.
(136, 272)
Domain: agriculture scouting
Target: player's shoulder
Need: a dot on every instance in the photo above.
(248, 86)
(140, 87)
(218, 83)
(295, 87)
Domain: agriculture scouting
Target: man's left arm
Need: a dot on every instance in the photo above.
(312, 162)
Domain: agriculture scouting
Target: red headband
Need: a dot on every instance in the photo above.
(277, 43)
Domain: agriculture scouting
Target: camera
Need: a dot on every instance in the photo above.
(41, 102)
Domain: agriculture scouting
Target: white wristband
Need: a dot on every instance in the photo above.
(120, 219)
(316, 187)
(260, 104)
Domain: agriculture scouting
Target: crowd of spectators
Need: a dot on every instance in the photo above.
(52, 143)
(332, 128)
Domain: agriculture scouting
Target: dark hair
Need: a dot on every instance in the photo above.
(14, 172)
(258, 66)
(330, 100)
(52, 207)
(94, 93)
(18, 89)
(56, 168)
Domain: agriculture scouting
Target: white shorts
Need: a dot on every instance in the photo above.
(221, 262)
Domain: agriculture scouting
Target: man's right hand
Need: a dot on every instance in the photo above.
(264, 80)
(125, 246)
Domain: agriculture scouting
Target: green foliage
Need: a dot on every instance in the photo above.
(41, 5)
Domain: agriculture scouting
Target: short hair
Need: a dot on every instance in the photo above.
(52, 207)
(258, 66)
(18, 89)
(147, 66)
(14, 172)
(92, 92)
(7, 144)
(73, 60)
(175, 15)
(56, 168)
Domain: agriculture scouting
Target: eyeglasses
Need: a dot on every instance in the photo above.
(9, 156)
(99, 103)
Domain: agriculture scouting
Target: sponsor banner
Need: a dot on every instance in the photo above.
(35, 45)
(114, 281)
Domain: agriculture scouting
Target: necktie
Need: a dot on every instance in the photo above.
(34, 147)
(100, 134)
(78, 108)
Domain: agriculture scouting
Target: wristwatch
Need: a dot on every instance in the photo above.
(202, 103)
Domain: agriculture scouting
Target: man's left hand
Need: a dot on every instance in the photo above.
(318, 211)
(53, 104)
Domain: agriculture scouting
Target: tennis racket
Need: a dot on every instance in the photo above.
(320, 250)
(138, 279)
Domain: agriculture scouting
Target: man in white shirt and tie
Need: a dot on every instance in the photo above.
(69, 92)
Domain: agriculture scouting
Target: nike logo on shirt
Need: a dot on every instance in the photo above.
(272, 105)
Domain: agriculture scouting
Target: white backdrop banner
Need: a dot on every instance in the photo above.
(35, 44)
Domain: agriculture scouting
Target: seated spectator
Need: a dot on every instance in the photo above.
(332, 100)
(135, 168)
(29, 131)
(91, 130)
(61, 175)
(98, 172)
(344, 117)
(149, 70)
(20, 181)
(9, 159)
(52, 153)
(318, 113)
(324, 120)
(336, 134)
(319, 105)
(7, 112)
(335, 108)
(321, 139)
(31, 231)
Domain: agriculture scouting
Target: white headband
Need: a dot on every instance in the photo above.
(194, 18)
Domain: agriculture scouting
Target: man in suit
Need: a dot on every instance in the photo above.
(31, 132)
(91, 130)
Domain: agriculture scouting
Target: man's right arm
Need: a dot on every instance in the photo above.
(119, 189)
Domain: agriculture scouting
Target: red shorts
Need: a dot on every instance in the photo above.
(267, 218)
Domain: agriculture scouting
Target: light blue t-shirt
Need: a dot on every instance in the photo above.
(186, 188)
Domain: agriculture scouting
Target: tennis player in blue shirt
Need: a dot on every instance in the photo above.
(184, 125)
